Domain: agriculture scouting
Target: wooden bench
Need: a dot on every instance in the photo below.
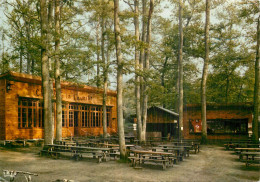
(53, 154)
(252, 161)
(95, 154)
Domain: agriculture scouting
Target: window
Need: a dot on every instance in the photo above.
(71, 118)
(109, 117)
(64, 115)
(29, 113)
(220, 126)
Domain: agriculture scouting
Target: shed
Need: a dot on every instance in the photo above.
(161, 122)
(21, 108)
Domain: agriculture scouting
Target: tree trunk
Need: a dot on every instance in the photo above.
(204, 76)
(98, 57)
(137, 68)
(48, 137)
(256, 89)
(50, 27)
(57, 73)
(176, 96)
(147, 65)
(163, 78)
(28, 48)
(119, 82)
(180, 71)
(104, 119)
(141, 63)
(21, 54)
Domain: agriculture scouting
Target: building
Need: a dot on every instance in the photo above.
(224, 121)
(21, 108)
(161, 122)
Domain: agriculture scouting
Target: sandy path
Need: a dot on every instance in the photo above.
(211, 164)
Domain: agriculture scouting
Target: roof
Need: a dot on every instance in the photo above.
(27, 78)
(165, 110)
(220, 106)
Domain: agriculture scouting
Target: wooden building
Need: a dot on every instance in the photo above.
(224, 121)
(161, 122)
(21, 108)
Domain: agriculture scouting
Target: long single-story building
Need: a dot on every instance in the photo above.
(224, 121)
(21, 108)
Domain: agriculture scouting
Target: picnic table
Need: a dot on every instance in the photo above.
(77, 151)
(141, 156)
(239, 150)
(179, 151)
(240, 145)
(251, 157)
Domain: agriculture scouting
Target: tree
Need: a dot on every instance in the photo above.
(256, 86)
(137, 67)
(105, 69)
(48, 135)
(119, 82)
(146, 69)
(57, 73)
(204, 76)
(180, 66)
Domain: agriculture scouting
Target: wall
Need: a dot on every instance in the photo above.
(2, 109)
(215, 114)
(33, 90)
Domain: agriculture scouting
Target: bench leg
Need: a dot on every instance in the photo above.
(164, 165)
(99, 159)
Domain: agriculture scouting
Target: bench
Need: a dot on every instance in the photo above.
(54, 154)
(95, 154)
(252, 161)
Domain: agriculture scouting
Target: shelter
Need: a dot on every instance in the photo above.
(21, 108)
(161, 122)
(224, 121)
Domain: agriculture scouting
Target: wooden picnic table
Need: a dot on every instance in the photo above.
(141, 156)
(248, 155)
(240, 145)
(78, 150)
(247, 149)
(179, 151)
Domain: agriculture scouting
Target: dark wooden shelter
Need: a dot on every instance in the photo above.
(224, 121)
(162, 122)
(21, 108)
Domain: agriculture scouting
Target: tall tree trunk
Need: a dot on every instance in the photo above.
(227, 90)
(141, 63)
(28, 48)
(21, 54)
(57, 73)
(119, 82)
(98, 56)
(163, 78)
(137, 70)
(176, 96)
(180, 62)
(49, 39)
(256, 89)
(104, 119)
(147, 65)
(204, 76)
(48, 137)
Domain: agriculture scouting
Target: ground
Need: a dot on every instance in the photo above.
(213, 163)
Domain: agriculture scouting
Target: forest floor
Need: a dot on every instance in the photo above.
(212, 163)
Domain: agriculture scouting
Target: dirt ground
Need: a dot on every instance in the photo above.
(213, 163)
